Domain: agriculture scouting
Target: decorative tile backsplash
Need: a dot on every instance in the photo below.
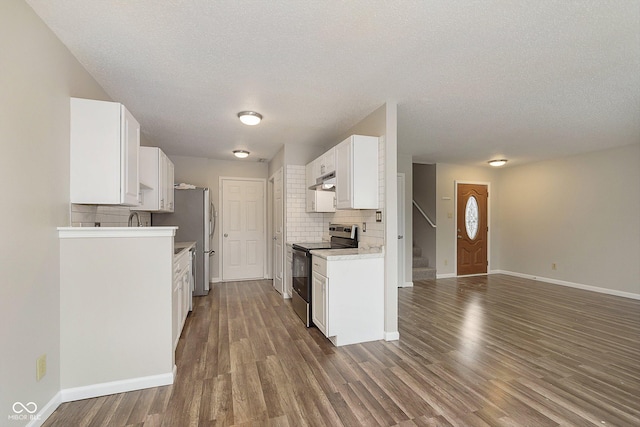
(309, 227)
(105, 216)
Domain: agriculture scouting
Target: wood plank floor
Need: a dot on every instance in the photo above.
(479, 351)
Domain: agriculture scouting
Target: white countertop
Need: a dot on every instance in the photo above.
(117, 232)
(342, 254)
(182, 246)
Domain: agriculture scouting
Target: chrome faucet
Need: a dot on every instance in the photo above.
(137, 217)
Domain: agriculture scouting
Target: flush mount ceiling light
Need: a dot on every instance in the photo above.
(250, 118)
(497, 162)
(241, 154)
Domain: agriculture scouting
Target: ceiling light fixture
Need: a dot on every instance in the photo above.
(497, 162)
(241, 154)
(250, 118)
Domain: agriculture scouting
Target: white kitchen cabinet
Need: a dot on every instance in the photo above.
(104, 145)
(327, 162)
(348, 298)
(357, 173)
(318, 201)
(156, 172)
(321, 201)
(181, 293)
(319, 301)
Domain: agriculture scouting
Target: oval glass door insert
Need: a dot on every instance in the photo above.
(471, 217)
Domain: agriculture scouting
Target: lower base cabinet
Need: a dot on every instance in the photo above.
(319, 301)
(348, 298)
(182, 276)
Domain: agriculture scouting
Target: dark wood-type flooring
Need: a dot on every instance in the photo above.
(477, 351)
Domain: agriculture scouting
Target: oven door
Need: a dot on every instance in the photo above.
(301, 276)
(301, 273)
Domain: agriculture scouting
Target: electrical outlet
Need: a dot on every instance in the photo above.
(449, 214)
(446, 262)
(553, 266)
(364, 227)
(41, 367)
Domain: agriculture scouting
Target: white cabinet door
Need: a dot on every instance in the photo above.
(319, 298)
(156, 172)
(328, 162)
(104, 144)
(344, 186)
(321, 201)
(130, 141)
(357, 173)
(169, 181)
(176, 307)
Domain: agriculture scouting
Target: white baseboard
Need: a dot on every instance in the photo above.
(570, 284)
(392, 336)
(407, 285)
(113, 387)
(46, 411)
(215, 280)
(445, 275)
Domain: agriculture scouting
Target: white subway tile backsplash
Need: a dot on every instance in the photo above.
(106, 216)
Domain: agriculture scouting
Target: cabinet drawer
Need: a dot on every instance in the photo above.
(319, 266)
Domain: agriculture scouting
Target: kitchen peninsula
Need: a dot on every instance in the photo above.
(116, 286)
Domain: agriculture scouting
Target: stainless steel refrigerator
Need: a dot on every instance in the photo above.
(195, 216)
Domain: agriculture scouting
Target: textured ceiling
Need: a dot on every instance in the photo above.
(473, 79)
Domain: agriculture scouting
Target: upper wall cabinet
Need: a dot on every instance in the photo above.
(105, 139)
(318, 201)
(327, 162)
(357, 173)
(156, 175)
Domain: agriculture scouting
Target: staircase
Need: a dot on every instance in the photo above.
(421, 269)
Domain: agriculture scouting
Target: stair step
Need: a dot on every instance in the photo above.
(424, 273)
(417, 251)
(420, 262)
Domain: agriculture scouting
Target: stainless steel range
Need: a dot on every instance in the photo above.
(342, 236)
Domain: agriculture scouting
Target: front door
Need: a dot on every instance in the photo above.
(472, 229)
(243, 238)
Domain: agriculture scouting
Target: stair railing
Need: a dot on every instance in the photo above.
(424, 214)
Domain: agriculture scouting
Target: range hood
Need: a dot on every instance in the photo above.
(325, 182)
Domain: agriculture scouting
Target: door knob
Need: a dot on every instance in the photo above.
(226, 235)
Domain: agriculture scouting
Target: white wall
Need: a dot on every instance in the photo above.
(38, 77)
(446, 175)
(204, 172)
(580, 212)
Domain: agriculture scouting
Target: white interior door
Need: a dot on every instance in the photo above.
(401, 231)
(243, 229)
(278, 225)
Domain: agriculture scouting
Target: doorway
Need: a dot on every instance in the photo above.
(472, 228)
(277, 227)
(243, 228)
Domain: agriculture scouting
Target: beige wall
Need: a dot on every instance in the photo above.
(204, 172)
(38, 77)
(446, 176)
(579, 212)
(405, 166)
(424, 193)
